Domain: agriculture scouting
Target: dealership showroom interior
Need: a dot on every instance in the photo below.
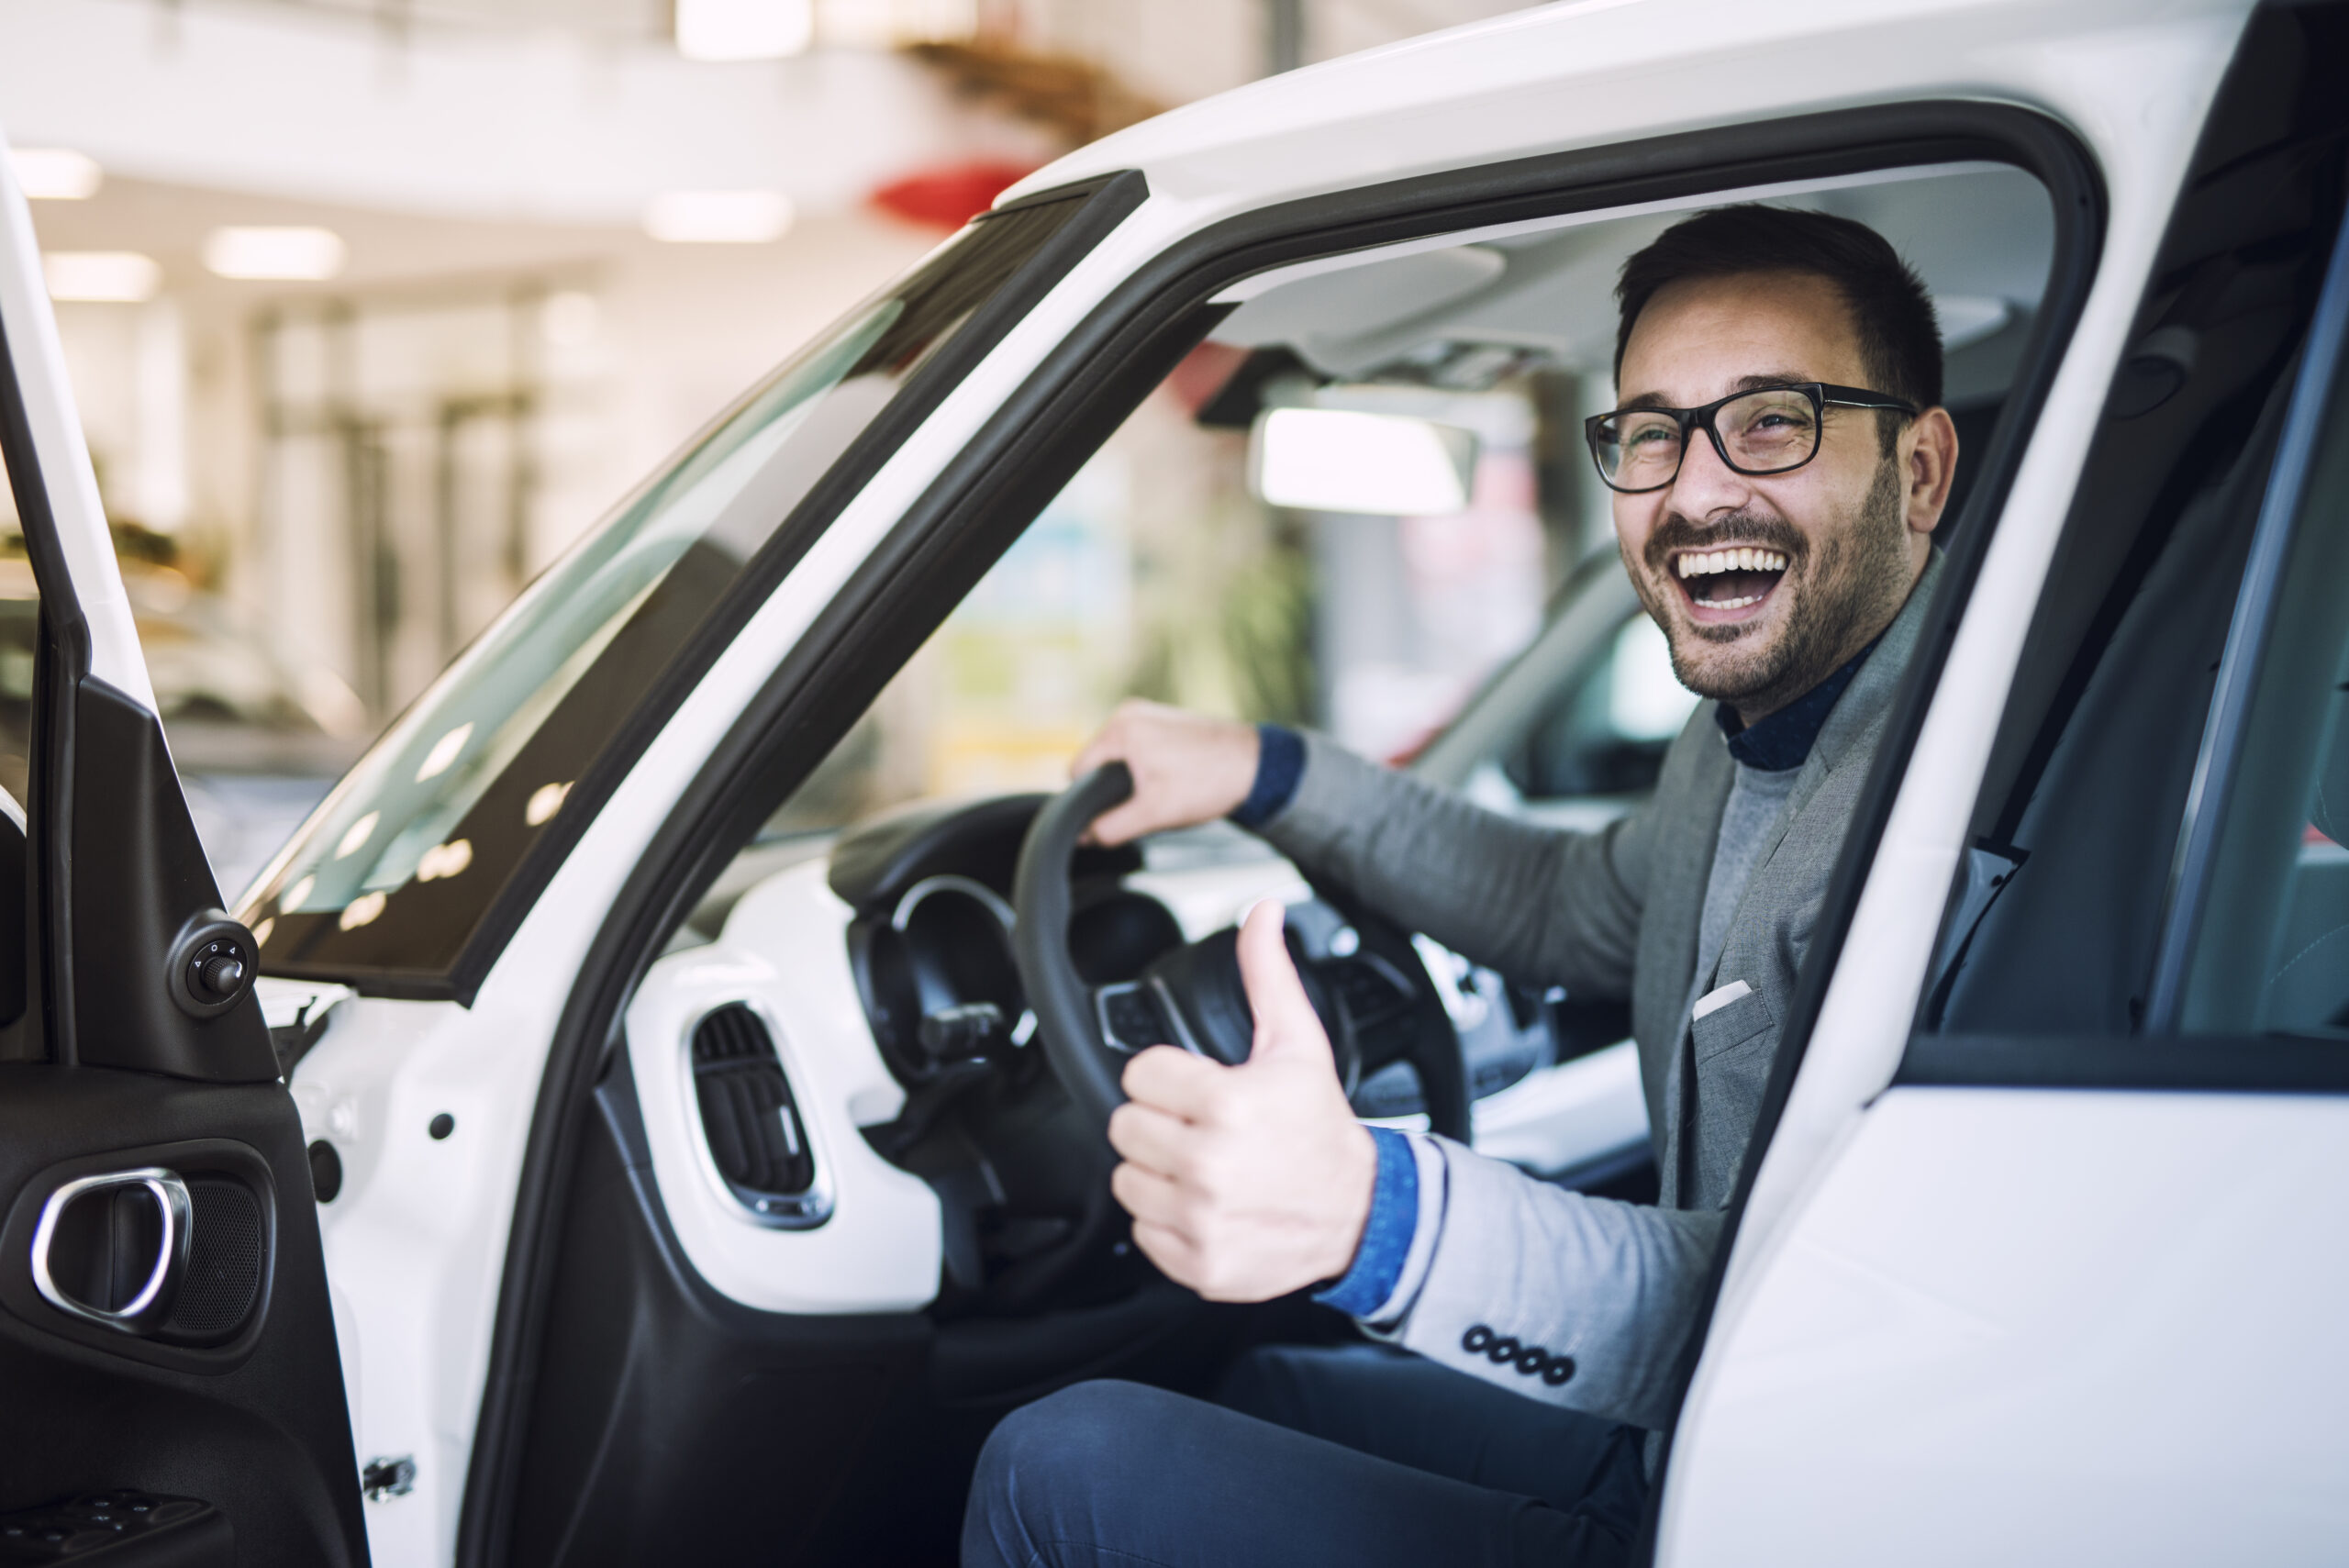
(1134, 783)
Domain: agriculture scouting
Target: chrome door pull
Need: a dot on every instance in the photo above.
(148, 1304)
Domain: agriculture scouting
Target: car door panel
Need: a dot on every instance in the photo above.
(2039, 1277)
(166, 1339)
(2071, 1354)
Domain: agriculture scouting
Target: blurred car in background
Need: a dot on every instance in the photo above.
(258, 745)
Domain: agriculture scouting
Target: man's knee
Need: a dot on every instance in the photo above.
(1265, 1383)
(1043, 1458)
(1081, 1421)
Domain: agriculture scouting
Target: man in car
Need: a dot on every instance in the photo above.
(1779, 463)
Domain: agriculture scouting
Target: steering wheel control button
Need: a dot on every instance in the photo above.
(1132, 1017)
(1558, 1372)
(1475, 1341)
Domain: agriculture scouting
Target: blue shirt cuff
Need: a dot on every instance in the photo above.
(1363, 1288)
(1280, 762)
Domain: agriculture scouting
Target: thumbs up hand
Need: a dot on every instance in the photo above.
(1246, 1182)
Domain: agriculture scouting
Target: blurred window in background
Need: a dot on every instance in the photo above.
(256, 743)
(19, 608)
(1607, 732)
(2270, 950)
(407, 859)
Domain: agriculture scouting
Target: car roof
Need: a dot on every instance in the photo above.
(1598, 72)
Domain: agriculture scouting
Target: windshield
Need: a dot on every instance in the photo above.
(400, 865)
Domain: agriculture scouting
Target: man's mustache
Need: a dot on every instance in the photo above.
(1677, 533)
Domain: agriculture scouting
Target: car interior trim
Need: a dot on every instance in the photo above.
(2227, 730)
(2257, 1064)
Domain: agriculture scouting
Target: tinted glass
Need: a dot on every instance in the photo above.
(2270, 951)
(403, 862)
(2056, 925)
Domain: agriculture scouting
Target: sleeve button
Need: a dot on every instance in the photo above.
(1532, 1361)
(1475, 1341)
(1560, 1369)
(1502, 1351)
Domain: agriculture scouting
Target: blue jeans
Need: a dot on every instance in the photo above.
(1357, 1456)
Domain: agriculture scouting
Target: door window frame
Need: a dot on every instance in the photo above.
(2226, 736)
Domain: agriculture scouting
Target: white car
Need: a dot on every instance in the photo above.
(641, 1187)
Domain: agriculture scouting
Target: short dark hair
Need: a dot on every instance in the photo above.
(1900, 342)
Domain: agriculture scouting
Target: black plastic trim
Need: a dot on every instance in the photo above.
(61, 660)
(1107, 202)
(2251, 1064)
(209, 1355)
(975, 509)
(2228, 727)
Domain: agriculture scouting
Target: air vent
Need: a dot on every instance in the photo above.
(753, 1124)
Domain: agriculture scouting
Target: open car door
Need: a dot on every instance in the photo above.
(167, 1350)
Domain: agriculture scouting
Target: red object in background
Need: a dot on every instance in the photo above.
(1203, 372)
(951, 196)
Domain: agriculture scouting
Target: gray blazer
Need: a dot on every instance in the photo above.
(1502, 1262)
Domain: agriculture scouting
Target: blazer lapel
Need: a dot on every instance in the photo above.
(1852, 729)
(1692, 813)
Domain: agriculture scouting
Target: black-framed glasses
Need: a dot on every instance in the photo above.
(1767, 430)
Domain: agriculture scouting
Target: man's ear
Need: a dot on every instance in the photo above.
(1932, 462)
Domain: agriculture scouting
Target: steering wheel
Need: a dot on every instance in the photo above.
(1365, 977)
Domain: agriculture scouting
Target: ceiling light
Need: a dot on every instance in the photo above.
(56, 173)
(102, 277)
(743, 29)
(289, 254)
(718, 217)
(545, 802)
(444, 752)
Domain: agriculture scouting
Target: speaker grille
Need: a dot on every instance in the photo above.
(227, 1251)
(747, 1112)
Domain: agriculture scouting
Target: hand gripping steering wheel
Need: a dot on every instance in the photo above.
(1370, 986)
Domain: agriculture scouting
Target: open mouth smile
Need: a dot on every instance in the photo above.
(1727, 584)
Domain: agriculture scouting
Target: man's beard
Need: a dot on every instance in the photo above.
(1838, 593)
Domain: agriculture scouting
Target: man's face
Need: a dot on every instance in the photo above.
(1837, 542)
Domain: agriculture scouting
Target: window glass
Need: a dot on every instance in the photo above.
(1607, 732)
(2056, 924)
(402, 862)
(2270, 951)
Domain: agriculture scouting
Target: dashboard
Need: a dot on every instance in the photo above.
(848, 1109)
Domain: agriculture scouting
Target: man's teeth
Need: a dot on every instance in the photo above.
(1731, 603)
(1712, 561)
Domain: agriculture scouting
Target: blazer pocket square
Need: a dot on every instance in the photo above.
(1715, 1000)
(1725, 1019)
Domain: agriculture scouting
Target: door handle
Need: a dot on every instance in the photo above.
(89, 1246)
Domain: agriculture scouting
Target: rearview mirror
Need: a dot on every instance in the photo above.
(1339, 460)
